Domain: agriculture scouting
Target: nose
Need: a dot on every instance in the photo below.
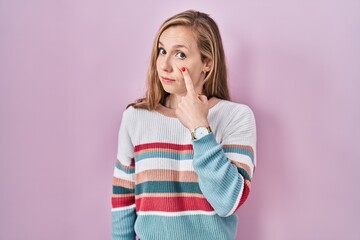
(165, 64)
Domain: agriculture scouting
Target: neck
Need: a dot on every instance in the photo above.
(172, 101)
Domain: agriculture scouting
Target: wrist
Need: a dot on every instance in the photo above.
(197, 124)
(200, 132)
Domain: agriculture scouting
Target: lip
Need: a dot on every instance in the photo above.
(165, 79)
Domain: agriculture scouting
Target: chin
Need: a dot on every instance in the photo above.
(171, 89)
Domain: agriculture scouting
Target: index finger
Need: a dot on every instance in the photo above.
(188, 82)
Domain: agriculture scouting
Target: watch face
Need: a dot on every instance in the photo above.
(200, 132)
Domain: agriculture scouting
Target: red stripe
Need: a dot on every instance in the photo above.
(244, 196)
(122, 201)
(246, 147)
(163, 145)
(172, 204)
(132, 163)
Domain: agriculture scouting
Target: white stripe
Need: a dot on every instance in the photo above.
(120, 174)
(170, 214)
(164, 163)
(123, 208)
(238, 197)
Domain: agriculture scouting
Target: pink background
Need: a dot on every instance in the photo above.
(69, 68)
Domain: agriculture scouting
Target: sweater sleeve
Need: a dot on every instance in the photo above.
(225, 170)
(123, 198)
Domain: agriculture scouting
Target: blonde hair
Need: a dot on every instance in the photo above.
(209, 42)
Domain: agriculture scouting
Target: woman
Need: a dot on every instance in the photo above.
(186, 154)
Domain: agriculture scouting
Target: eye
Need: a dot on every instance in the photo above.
(181, 55)
(162, 51)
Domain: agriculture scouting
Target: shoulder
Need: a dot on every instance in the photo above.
(132, 112)
(133, 115)
(128, 115)
(238, 120)
(231, 118)
(235, 110)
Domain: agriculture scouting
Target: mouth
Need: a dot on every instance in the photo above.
(164, 79)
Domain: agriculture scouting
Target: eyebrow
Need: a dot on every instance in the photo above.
(175, 46)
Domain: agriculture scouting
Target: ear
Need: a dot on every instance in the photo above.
(208, 64)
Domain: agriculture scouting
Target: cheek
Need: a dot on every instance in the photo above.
(195, 68)
(195, 75)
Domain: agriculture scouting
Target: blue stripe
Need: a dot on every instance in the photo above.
(167, 187)
(122, 190)
(170, 155)
(240, 151)
(244, 174)
(195, 226)
(125, 170)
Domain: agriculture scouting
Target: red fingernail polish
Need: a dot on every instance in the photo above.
(183, 69)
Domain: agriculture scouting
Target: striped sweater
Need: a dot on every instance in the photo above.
(166, 186)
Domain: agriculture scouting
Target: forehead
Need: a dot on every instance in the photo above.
(178, 35)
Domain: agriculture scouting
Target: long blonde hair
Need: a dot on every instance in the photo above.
(209, 41)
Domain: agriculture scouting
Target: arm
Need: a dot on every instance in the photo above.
(123, 198)
(225, 171)
(224, 174)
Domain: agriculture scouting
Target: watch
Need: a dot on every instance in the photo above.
(200, 132)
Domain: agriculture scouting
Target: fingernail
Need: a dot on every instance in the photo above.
(183, 69)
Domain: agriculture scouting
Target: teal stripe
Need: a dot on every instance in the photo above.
(174, 156)
(240, 151)
(123, 224)
(211, 227)
(125, 170)
(167, 187)
(244, 174)
(122, 190)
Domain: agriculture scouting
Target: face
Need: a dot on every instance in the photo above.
(178, 48)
